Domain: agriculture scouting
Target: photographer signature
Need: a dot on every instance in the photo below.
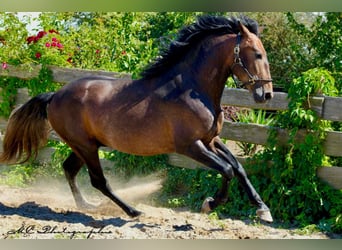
(27, 230)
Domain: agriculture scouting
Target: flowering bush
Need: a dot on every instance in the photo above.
(47, 48)
(118, 42)
(4, 65)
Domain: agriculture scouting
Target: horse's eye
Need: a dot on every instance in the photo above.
(258, 55)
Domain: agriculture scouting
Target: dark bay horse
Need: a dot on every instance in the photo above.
(174, 107)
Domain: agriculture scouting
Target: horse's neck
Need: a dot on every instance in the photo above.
(210, 68)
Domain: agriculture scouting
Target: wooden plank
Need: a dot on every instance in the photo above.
(258, 134)
(24, 71)
(242, 98)
(331, 175)
(333, 143)
(59, 74)
(245, 132)
(186, 162)
(22, 96)
(66, 75)
(3, 125)
(316, 104)
(332, 108)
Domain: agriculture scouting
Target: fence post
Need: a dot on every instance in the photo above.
(22, 96)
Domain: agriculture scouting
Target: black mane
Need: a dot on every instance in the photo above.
(194, 33)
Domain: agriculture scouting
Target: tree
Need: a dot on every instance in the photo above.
(322, 43)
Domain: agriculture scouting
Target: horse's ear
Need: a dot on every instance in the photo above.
(243, 30)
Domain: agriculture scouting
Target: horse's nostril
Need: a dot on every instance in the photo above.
(268, 96)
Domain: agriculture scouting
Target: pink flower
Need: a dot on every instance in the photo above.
(54, 39)
(4, 65)
(47, 45)
(53, 44)
(59, 45)
(38, 55)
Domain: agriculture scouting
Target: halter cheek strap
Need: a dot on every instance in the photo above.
(252, 79)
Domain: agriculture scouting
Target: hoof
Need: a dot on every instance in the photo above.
(206, 208)
(134, 213)
(264, 215)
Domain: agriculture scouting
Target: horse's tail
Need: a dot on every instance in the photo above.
(27, 130)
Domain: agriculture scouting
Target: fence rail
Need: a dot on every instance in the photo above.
(328, 108)
(59, 74)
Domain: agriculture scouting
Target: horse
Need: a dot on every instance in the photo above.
(174, 107)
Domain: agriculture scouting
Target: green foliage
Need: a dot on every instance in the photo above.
(120, 42)
(312, 82)
(321, 43)
(9, 85)
(61, 152)
(13, 35)
(252, 116)
(8, 93)
(127, 165)
(293, 189)
(17, 175)
(186, 187)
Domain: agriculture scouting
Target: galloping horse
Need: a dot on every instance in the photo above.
(173, 107)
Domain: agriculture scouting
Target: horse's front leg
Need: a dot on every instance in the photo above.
(210, 158)
(221, 197)
(263, 211)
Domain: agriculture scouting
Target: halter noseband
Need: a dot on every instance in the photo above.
(252, 79)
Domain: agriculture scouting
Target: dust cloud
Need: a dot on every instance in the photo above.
(56, 193)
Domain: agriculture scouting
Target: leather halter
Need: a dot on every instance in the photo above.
(252, 79)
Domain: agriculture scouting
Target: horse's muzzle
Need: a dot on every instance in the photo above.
(262, 94)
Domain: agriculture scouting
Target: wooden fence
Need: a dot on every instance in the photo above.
(328, 108)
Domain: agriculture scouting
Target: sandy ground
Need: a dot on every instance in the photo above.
(47, 211)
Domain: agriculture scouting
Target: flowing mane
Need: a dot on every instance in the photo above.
(193, 34)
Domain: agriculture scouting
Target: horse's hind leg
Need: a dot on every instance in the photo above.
(99, 181)
(72, 166)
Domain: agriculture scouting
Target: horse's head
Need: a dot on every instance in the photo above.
(251, 66)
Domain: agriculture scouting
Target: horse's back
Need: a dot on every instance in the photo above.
(74, 105)
(117, 113)
(136, 117)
